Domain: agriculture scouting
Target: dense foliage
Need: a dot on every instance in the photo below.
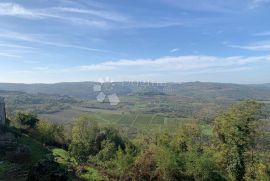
(232, 150)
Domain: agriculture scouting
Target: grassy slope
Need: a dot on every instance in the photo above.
(16, 171)
(38, 151)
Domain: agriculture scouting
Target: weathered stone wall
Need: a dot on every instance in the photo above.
(2, 111)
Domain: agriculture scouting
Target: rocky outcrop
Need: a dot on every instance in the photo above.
(2, 111)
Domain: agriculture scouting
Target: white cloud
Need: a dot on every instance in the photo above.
(174, 50)
(180, 63)
(218, 6)
(98, 13)
(168, 64)
(15, 51)
(39, 39)
(92, 17)
(98, 67)
(178, 68)
(154, 24)
(7, 45)
(3, 54)
(258, 46)
(11, 9)
(19, 11)
(41, 68)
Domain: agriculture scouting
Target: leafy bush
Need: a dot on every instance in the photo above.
(49, 133)
(83, 138)
(26, 120)
(89, 173)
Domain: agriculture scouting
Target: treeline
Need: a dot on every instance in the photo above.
(37, 103)
(234, 151)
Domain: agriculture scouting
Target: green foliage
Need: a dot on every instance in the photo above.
(167, 163)
(188, 138)
(27, 120)
(113, 136)
(83, 138)
(124, 160)
(189, 152)
(37, 149)
(184, 156)
(107, 152)
(91, 174)
(262, 171)
(47, 169)
(202, 167)
(64, 158)
(48, 132)
(5, 166)
(236, 133)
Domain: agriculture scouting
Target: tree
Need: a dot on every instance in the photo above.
(83, 138)
(26, 119)
(235, 133)
(49, 133)
(188, 138)
(193, 159)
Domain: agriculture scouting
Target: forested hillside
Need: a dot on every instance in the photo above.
(202, 90)
(37, 103)
(138, 101)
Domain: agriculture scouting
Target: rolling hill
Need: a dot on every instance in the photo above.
(197, 90)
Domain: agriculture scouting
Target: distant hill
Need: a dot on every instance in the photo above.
(198, 90)
(38, 103)
(78, 90)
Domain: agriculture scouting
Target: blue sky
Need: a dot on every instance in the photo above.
(44, 41)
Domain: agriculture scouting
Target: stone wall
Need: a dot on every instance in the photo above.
(2, 111)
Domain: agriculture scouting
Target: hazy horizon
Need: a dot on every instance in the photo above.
(134, 82)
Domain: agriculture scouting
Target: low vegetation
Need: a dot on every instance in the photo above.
(230, 148)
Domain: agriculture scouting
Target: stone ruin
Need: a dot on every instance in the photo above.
(2, 111)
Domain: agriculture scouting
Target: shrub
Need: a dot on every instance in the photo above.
(83, 138)
(49, 133)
